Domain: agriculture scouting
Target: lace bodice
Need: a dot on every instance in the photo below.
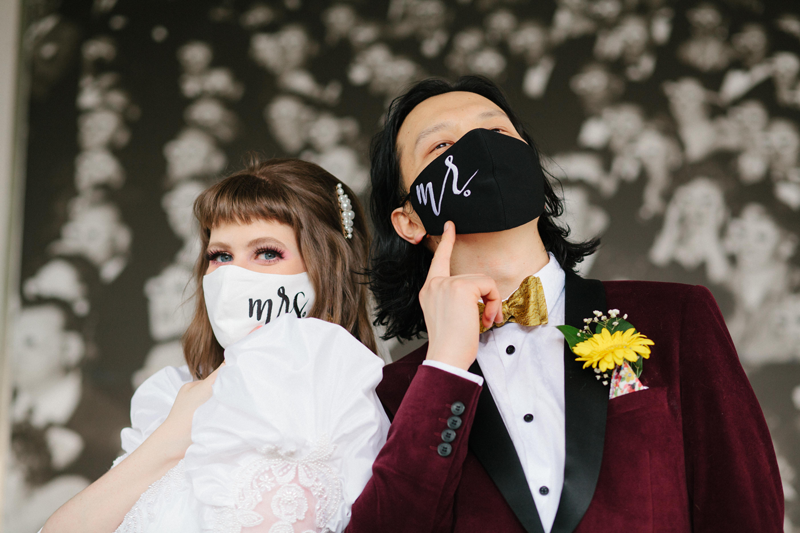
(277, 493)
(274, 493)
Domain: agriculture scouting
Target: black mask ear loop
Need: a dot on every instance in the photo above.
(406, 198)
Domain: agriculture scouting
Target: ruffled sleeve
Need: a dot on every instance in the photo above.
(287, 441)
(151, 404)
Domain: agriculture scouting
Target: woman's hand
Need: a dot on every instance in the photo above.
(450, 306)
(178, 424)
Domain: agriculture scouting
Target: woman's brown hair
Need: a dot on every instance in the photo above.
(301, 195)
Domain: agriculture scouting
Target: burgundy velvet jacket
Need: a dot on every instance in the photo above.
(690, 453)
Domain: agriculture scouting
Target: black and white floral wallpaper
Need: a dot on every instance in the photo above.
(674, 128)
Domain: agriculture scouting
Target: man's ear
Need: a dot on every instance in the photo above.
(408, 225)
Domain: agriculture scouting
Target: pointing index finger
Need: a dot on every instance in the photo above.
(440, 264)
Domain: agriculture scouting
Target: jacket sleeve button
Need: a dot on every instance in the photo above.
(457, 408)
(454, 422)
(444, 449)
(448, 435)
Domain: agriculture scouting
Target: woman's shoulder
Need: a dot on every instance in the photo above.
(151, 404)
(163, 386)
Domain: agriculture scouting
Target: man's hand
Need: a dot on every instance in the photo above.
(450, 306)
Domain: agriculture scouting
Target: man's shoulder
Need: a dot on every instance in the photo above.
(666, 311)
(653, 294)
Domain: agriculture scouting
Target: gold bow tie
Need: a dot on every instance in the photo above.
(526, 306)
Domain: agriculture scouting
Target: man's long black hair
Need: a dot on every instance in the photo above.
(398, 269)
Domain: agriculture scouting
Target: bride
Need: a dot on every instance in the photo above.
(273, 424)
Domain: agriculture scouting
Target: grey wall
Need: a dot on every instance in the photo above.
(11, 178)
(673, 127)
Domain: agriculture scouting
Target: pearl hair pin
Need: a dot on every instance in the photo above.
(346, 209)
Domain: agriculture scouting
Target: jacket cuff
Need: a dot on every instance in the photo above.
(460, 372)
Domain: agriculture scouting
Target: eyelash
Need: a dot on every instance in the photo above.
(212, 255)
(278, 253)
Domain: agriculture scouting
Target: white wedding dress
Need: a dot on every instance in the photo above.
(284, 445)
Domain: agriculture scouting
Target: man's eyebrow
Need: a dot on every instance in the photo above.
(491, 113)
(430, 131)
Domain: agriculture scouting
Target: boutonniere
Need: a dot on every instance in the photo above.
(614, 347)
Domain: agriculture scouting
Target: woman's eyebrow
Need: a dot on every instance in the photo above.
(218, 244)
(264, 241)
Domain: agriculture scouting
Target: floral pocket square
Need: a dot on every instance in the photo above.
(624, 381)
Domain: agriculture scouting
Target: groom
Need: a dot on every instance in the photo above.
(503, 430)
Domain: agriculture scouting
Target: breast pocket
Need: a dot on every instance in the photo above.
(638, 403)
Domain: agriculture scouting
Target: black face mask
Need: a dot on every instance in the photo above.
(485, 182)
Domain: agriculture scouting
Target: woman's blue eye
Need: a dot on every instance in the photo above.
(222, 257)
(269, 255)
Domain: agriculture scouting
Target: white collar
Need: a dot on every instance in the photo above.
(552, 277)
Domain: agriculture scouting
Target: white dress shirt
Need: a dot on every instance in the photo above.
(524, 369)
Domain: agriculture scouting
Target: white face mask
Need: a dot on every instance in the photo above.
(239, 300)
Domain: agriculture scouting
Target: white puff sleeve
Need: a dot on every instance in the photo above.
(287, 441)
(167, 505)
(151, 404)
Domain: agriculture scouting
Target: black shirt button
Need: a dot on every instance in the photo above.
(454, 422)
(444, 449)
(448, 435)
(544, 491)
(457, 408)
(510, 349)
(528, 418)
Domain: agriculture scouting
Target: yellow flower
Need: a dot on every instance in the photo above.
(608, 350)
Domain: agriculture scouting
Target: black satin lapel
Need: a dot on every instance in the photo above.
(586, 402)
(490, 442)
